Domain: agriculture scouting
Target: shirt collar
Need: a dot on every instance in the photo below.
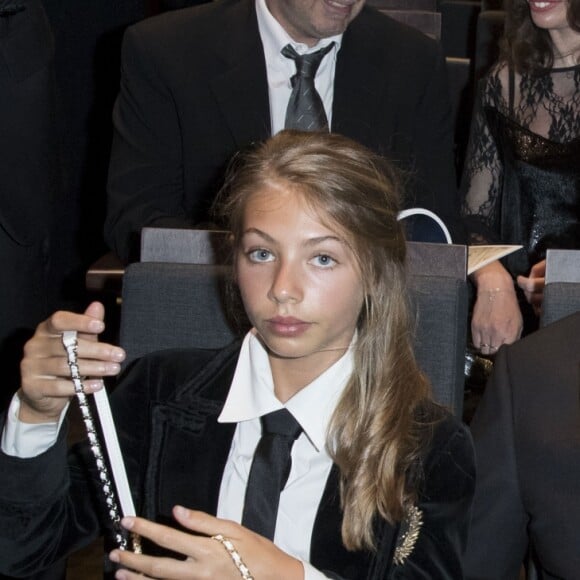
(275, 38)
(251, 394)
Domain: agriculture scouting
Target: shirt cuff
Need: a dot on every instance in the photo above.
(25, 440)
(311, 573)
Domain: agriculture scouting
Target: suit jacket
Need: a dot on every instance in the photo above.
(27, 109)
(194, 91)
(527, 437)
(28, 171)
(175, 452)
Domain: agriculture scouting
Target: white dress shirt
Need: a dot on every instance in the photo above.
(280, 69)
(251, 396)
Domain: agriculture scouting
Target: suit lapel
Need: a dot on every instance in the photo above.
(327, 552)
(360, 82)
(326, 545)
(241, 90)
(193, 448)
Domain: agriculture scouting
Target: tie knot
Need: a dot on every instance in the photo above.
(306, 64)
(281, 422)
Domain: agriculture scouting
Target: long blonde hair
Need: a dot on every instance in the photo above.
(374, 436)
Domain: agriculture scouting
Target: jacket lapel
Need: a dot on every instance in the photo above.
(360, 82)
(188, 443)
(327, 552)
(241, 90)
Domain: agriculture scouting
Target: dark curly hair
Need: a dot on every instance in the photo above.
(526, 47)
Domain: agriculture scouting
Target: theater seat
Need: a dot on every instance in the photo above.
(562, 291)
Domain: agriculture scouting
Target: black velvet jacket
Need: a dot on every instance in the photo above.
(175, 452)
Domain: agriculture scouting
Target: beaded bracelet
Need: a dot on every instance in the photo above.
(234, 555)
(493, 292)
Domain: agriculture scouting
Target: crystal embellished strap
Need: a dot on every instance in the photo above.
(69, 340)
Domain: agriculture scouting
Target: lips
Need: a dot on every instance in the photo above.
(341, 7)
(543, 6)
(287, 325)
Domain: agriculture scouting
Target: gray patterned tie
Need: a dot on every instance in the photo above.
(305, 109)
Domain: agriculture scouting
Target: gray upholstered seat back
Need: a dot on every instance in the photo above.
(440, 307)
(560, 300)
(562, 290)
(169, 305)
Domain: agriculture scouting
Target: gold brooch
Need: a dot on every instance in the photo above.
(408, 535)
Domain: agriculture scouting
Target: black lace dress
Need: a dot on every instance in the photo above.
(522, 173)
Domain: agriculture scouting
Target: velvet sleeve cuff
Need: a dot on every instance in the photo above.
(42, 476)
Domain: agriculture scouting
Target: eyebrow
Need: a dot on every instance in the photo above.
(309, 242)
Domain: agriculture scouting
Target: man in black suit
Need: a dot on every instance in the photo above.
(27, 177)
(201, 83)
(527, 439)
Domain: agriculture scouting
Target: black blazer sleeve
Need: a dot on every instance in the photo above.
(499, 517)
(45, 511)
(445, 502)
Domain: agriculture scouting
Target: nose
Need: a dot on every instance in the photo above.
(286, 286)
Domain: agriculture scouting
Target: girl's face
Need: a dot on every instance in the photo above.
(298, 278)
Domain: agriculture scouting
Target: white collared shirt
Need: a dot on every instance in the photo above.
(27, 440)
(251, 396)
(280, 69)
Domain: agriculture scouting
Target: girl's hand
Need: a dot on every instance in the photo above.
(46, 384)
(533, 285)
(496, 317)
(206, 557)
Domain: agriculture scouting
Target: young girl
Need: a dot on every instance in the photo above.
(380, 479)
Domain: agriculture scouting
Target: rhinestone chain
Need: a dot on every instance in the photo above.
(69, 340)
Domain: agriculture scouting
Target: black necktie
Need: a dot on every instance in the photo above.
(269, 472)
(305, 109)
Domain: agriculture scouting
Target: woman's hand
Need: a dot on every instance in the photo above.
(46, 384)
(533, 285)
(206, 557)
(496, 317)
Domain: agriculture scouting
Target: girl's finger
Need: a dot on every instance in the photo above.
(204, 523)
(51, 346)
(63, 320)
(195, 547)
(151, 566)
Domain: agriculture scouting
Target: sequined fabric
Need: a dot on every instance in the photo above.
(540, 201)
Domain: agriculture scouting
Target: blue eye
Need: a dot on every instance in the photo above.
(324, 261)
(260, 255)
